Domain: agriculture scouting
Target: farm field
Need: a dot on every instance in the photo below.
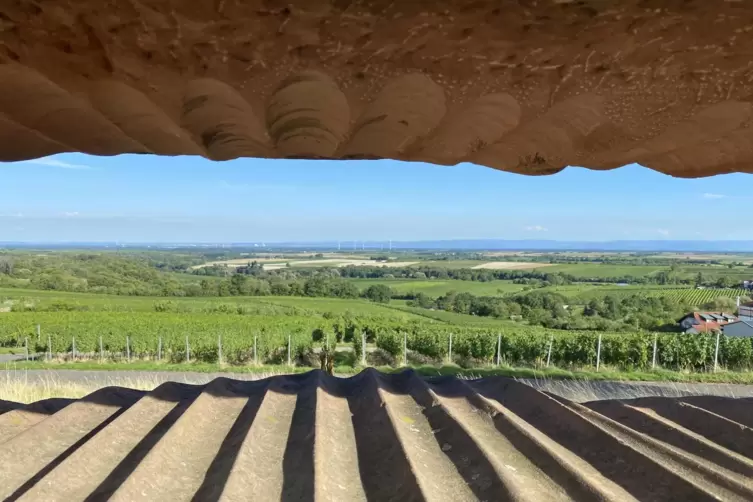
(511, 265)
(458, 319)
(439, 287)
(722, 257)
(606, 270)
(449, 263)
(691, 295)
(307, 260)
(238, 262)
(62, 301)
(290, 340)
(700, 296)
(587, 270)
(716, 271)
(336, 262)
(333, 305)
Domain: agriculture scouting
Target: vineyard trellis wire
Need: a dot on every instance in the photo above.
(264, 339)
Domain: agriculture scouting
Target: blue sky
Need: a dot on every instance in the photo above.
(138, 198)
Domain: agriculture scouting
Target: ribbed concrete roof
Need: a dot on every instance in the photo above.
(373, 437)
(528, 87)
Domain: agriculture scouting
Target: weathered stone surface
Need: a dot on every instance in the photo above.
(527, 86)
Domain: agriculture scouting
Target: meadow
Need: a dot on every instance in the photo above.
(20, 300)
(439, 287)
(604, 270)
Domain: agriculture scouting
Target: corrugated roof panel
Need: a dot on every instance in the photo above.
(375, 437)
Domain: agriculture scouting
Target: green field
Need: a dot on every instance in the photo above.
(588, 270)
(455, 318)
(693, 296)
(286, 305)
(450, 263)
(716, 271)
(439, 287)
(334, 305)
(607, 270)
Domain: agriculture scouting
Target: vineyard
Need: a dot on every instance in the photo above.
(531, 347)
(248, 339)
(690, 296)
(171, 337)
(701, 296)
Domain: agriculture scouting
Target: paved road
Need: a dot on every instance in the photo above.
(575, 390)
(9, 358)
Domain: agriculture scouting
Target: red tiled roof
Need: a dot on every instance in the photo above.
(704, 325)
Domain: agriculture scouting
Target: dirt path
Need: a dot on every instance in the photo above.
(9, 358)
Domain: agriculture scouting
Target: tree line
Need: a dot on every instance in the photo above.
(555, 311)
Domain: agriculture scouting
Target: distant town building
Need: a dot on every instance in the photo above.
(705, 322)
(740, 328)
(748, 285)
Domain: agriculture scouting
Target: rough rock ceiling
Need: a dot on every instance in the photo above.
(374, 437)
(527, 86)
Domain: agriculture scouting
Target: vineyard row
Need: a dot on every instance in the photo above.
(691, 296)
(243, 340)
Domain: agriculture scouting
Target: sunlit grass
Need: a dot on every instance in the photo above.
(19, 386)
(606, 373)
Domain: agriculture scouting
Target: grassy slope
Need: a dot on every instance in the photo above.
(335, 305)
(516, 372)
(146, 304)
(452, 317)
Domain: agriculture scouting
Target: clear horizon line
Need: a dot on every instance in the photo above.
(346, 244)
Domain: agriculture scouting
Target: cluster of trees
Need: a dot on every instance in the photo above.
(138, 276)
(553, 310)
(87, 272)
(719, 282)
(321, 285)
